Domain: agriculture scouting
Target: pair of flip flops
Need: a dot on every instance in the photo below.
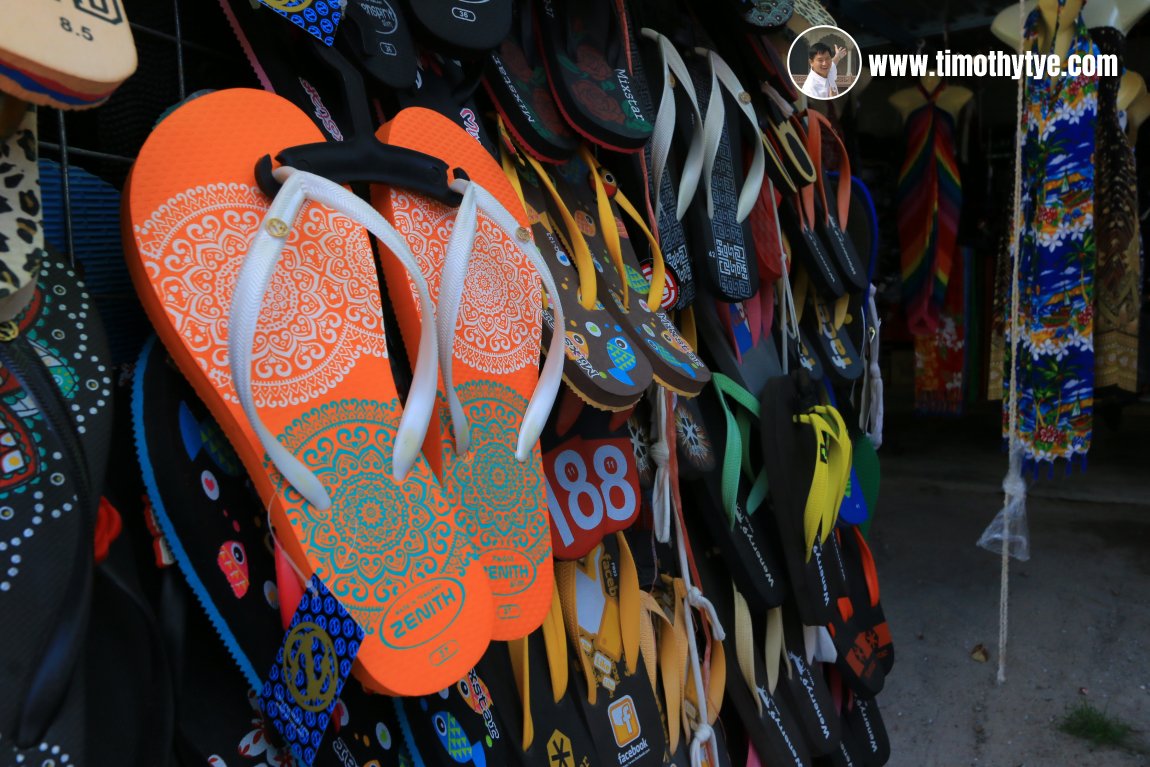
(566, 71)
(311, 409)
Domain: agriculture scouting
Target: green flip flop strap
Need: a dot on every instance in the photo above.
(737, 455)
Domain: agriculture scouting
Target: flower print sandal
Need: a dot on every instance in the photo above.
(351, 498)
(67, 56)
(601, 364)
(516, 83)
(718, 223)
(55, 427)
(483, 272)
(593, 198)
(586, 49)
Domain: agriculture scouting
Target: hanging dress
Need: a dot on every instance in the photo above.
(1056, 252)
(1117, 298)
(929, 204)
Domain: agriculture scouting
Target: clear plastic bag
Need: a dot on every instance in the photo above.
(1010, 523)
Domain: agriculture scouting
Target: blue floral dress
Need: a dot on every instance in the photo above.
(1057, 258)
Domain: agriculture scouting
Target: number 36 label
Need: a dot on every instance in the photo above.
(592, 491)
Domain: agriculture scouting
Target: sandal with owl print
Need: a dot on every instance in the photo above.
(55, 427)
(629, 295)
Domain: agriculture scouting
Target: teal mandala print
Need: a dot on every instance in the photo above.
(378, 538)
(501, 495)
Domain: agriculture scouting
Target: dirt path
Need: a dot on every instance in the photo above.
(1080, 611)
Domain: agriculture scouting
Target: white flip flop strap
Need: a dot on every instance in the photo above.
(664, 132)
(251, 286)
(476, 199)
(871, 417)
(712, 134)
(753, 184)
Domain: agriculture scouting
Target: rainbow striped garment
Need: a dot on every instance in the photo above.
(929, 199)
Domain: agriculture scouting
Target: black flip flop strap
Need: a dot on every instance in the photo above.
(60, 653)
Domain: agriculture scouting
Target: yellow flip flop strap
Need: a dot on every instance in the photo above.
(555, 640)
(584, 265)
(776, 648)
(521, 670)
(629, 604)
(566, 583)
(840, 458)
(778, 163)
(687, 327)
(607, 223)
(667, 652)
(745, 645)
(658, 267)
(717, 680)
(821, 494)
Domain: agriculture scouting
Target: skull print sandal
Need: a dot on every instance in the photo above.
(285, 345)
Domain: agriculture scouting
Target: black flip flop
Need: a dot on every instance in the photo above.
(601, 602)
(832, 341)
(516, 83)
(767, 720)
(214, 525)
(667, 172)
(791, 447)
(530, 678)
(829, 214)
(55, 424)
(585, 48)
(806, 692)
(467, 29)
(718, 219)
(378, 37)
(860, 630)
(731, 503)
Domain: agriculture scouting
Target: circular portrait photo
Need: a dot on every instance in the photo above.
(825, 62)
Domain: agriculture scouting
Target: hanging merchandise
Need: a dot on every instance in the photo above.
(1117, 298)
(929, 203)
(464, 364)
(1054, 364)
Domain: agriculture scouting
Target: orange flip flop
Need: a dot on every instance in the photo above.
(489, 304)
(275, 318)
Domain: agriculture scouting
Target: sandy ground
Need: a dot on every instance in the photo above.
(1079, 609)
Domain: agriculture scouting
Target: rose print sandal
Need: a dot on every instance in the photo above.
(303, 388)
(516, 82)
(483, 273)
(586, 49)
